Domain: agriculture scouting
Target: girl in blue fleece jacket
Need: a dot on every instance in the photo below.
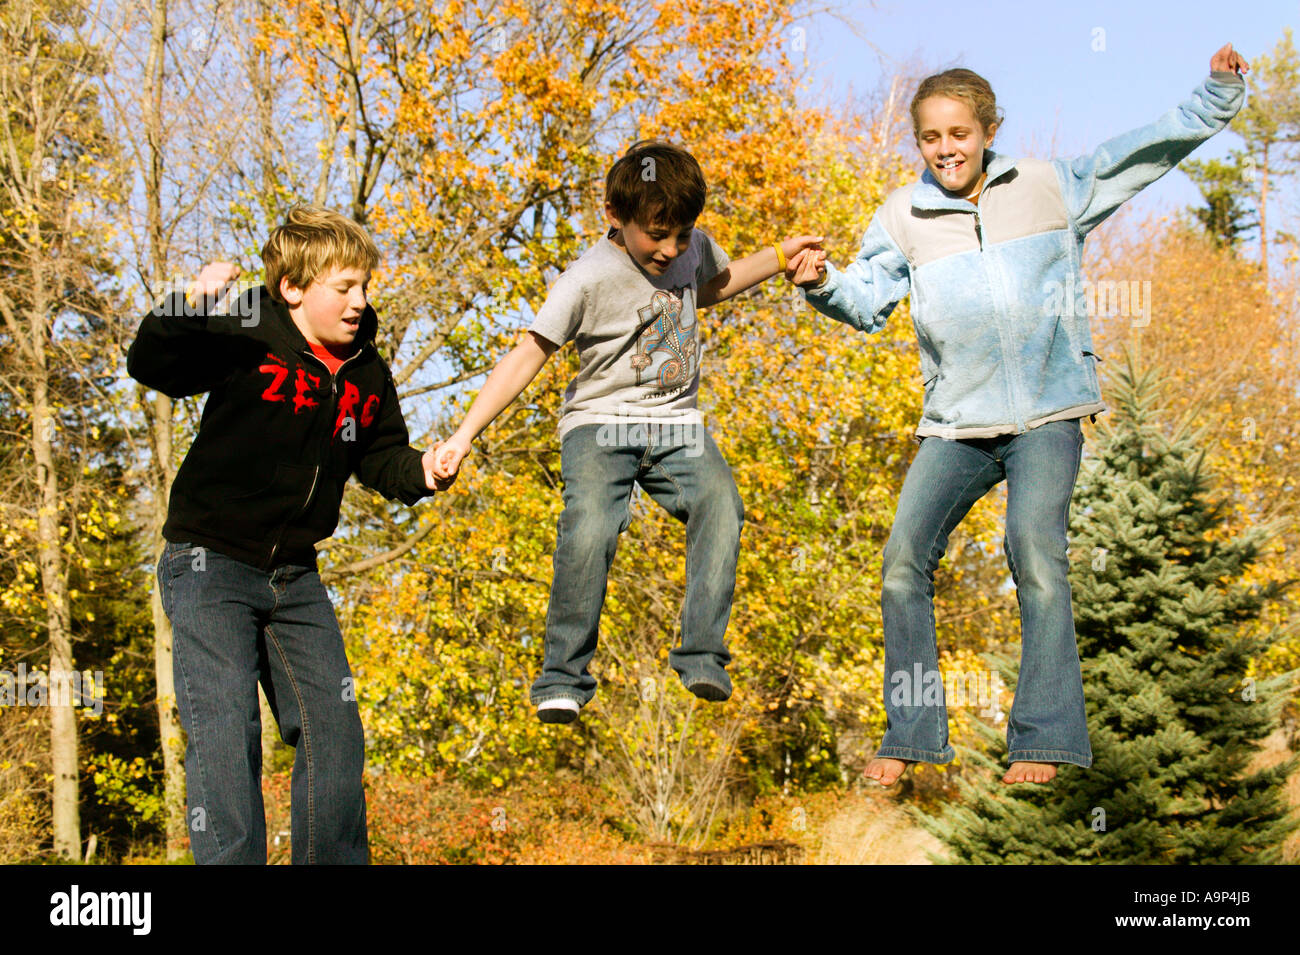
(989, 248)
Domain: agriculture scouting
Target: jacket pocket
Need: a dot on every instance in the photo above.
(282, 485)
(258, 513)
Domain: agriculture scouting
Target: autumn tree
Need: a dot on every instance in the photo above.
(815, 421)
(1269, 123)
(54, 169)
(166, 105)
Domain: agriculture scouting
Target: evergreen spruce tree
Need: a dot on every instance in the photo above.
(1225, 187)
(1173, 715)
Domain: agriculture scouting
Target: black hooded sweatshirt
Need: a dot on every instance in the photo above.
(279, 435)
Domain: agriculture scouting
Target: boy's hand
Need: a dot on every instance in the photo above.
(213, 280)
(1228, 60)
(448, 455)
(432, 479)
(807, 268)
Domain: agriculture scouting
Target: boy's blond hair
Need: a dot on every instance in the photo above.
(312, 241)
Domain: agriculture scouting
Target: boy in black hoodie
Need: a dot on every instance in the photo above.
(299, 400)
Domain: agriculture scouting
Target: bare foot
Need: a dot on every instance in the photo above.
(885, 770)
(1026, 772)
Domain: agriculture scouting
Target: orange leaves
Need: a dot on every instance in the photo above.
(434, 820)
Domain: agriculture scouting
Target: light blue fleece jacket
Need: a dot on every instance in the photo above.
(998, 303)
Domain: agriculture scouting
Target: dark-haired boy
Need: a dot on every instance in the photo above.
(629, 303)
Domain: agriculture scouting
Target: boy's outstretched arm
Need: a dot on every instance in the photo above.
(507, 380)
(744, 274)
(1095, 185)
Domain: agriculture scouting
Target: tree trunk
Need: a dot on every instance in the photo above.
(54, 584)
(163, 470)
(1263, 215)
(169, 726)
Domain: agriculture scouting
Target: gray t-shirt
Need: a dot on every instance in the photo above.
(636, 334)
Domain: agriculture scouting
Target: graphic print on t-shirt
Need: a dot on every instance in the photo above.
(666, 350)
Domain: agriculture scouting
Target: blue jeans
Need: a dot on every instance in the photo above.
(1047, 721)
(234, 626)
(685, 473)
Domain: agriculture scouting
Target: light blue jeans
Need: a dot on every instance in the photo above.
(1047, 721)
(690, 479)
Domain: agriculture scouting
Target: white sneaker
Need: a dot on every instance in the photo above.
(561, 709)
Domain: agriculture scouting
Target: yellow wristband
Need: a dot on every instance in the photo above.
(780, 256)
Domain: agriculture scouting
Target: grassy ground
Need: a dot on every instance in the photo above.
(568, 821)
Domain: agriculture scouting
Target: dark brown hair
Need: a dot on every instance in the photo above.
(656, 183)
(959, 84)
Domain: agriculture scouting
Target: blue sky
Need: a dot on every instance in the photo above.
(1039, 58)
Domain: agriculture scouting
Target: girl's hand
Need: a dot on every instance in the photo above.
(1228, 60)
(448, 455)
(807, 269)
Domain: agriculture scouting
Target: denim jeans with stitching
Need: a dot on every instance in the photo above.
(1047, 721)
(600, 465)
(234, 626)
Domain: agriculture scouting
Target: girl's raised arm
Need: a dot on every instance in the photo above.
(1096, 185)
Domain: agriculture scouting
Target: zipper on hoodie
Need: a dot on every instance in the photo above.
(315, 477)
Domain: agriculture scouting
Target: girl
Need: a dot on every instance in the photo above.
(989, 247)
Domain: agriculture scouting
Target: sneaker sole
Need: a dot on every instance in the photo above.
(707, 691)
(556, 715)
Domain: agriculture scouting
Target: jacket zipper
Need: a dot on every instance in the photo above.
(979, 235)
(315, 471)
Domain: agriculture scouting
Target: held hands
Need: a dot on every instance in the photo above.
(434, 480)
(797, 243)
(1228, 60)
(447, 456)
(801, 249)
(213, 280)
(807, 268)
